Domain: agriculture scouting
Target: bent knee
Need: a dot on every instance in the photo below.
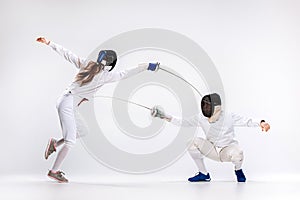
(237, 156)
(70, 143)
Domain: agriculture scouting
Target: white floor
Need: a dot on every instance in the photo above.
(31, 188)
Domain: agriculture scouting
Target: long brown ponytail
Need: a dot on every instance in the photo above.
(87, 74)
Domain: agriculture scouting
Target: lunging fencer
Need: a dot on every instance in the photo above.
(220, 143)
(91, 76)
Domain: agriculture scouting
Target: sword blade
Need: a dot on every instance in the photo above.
(123, 100)
(165, 70)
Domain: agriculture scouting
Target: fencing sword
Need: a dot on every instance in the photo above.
(155, 111)
(123, 100)
(167, 71)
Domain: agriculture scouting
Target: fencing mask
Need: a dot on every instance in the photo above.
(109, 56)
(208, 104)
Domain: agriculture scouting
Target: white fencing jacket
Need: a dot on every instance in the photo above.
(88, 90)
(220, 133)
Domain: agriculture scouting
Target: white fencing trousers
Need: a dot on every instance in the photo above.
(201, 148)
(65, 108)
(72, 124)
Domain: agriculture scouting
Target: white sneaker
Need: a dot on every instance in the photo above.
(51, 147)
(58, 176)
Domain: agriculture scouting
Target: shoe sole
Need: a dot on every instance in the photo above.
(208, 180)
(56, 179)
(47, 148)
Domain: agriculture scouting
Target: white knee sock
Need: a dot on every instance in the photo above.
(198, 158)
(237, 160)
(60, 157)
(237, 164)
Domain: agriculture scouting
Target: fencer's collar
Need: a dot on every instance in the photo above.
(216, 115)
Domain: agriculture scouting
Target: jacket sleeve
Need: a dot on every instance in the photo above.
(114, 76)
(193, 121)
(68, 55)
(239, 120)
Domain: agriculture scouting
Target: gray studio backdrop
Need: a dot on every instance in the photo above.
(254, 46)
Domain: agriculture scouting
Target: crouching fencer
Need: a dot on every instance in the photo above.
(218, 126)
(92, 76)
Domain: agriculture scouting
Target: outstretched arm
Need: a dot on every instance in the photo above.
(123, 74)
(190, 122)
(239, 120)
(193, 121)
(67, 54)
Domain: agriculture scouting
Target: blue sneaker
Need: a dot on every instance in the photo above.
(200, 177)
(240, 175)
